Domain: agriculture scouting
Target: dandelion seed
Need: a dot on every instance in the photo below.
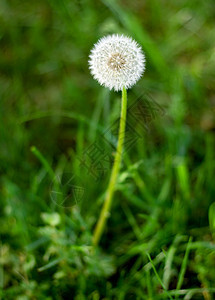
(117, 61)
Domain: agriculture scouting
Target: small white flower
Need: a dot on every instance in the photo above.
(117, 62)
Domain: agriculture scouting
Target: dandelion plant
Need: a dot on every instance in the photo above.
(116, 62)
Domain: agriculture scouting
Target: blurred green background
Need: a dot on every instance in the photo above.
(159, 242)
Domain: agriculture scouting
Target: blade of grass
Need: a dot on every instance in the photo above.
(183, 178)
(65, 114)
(158, 277)
(132, 221)
(169, 259)
(184, 266)
(55, 179)
(43, 161)
(149, 285)
(50, 265)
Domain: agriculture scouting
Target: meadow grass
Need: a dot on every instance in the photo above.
(159, 238)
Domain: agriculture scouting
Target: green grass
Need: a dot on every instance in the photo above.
(159, 240)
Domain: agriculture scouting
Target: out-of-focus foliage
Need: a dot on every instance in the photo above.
(159, 241)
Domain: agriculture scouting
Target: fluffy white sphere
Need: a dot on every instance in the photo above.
(117, 61)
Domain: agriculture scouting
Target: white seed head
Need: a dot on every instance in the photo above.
(117, 61)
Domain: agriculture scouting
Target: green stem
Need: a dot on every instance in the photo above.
(105, 212)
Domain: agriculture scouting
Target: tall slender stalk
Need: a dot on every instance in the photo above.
(105, 212)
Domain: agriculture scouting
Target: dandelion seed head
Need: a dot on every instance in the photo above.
(117, 61)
